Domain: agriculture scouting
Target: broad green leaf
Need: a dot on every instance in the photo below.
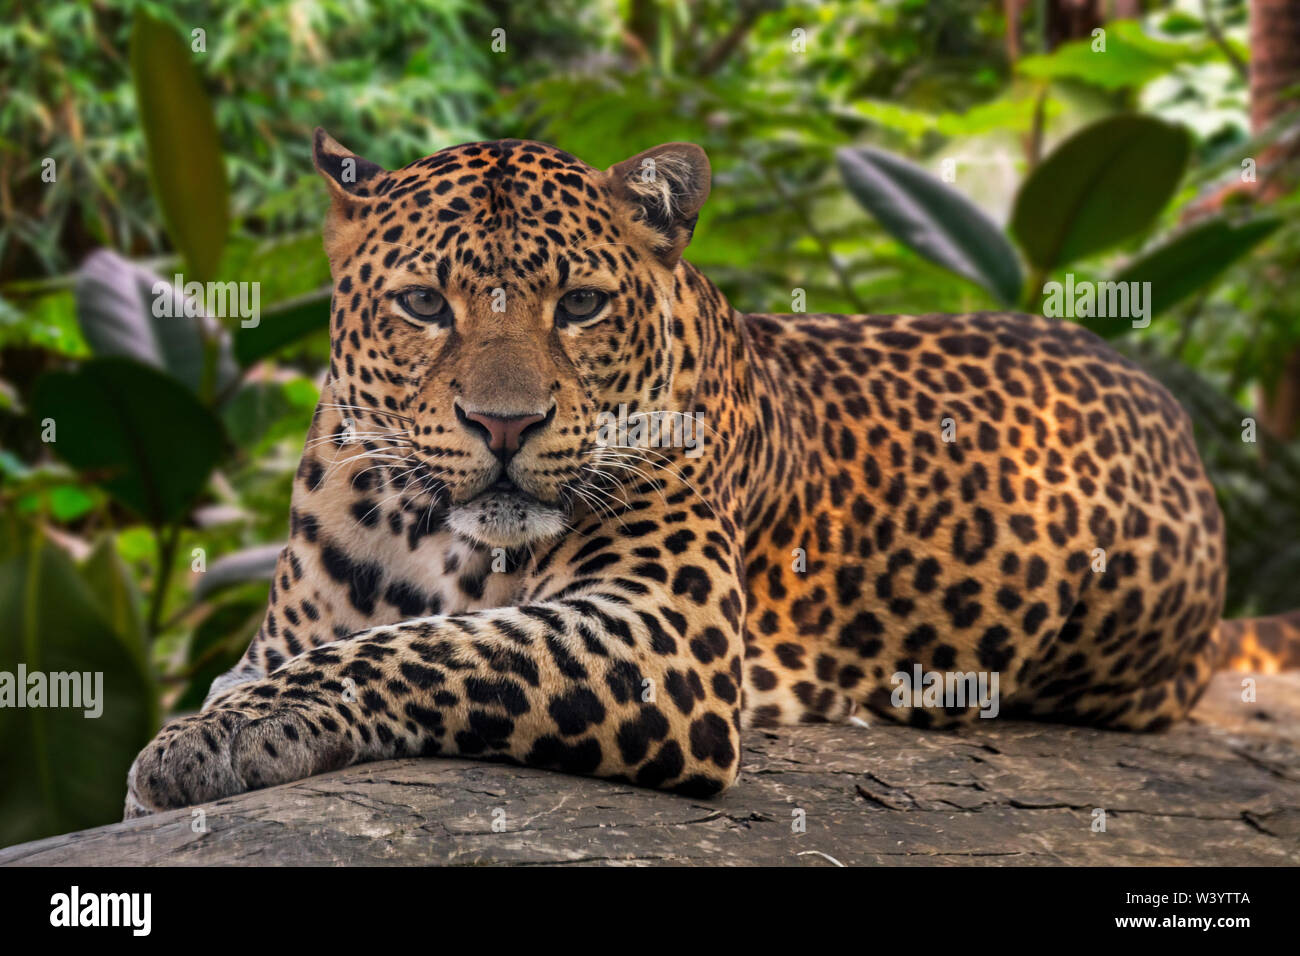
(114, 588)
(1195, 258)
(1130, 58)
(1104, 184)
(140, 434)
(185, 160)
(936, 221)
(282, 325)
(116, 311)
(61, 770)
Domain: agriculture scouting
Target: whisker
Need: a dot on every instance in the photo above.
(369, 409)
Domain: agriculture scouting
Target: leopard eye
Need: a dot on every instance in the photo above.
(580, 305)
(423, 305)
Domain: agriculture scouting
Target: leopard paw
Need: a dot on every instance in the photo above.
(188, 762)
(220, 753)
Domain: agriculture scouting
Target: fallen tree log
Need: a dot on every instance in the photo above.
(1221, 788)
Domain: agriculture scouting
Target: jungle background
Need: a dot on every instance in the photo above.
(878, 155)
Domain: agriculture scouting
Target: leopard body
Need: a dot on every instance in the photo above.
(974, 494)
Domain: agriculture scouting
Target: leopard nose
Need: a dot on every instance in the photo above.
(503, 433)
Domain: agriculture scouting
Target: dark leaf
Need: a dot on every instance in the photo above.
(114, 588)
(938, 222)
(185, 159)
(1105, 183)
(286, 323)
(60, 769)
(1195, 258)
(139, 433)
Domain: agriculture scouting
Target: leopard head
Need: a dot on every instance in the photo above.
(490, 302)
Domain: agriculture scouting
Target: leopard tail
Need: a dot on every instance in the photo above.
(1261, 644)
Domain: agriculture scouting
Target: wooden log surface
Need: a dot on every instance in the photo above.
(1220, 788)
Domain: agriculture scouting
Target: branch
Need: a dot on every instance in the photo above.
(1222, 788)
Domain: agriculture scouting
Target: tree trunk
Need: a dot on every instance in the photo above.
(1071, 20)
(1275, 67)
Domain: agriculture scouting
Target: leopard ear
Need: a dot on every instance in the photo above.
(667, 184)
(349, 176)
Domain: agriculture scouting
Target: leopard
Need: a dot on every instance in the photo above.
(478, 566)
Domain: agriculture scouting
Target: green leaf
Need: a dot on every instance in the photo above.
(1014, 112)
(140, 434)
(911, 122)
(1195, 258)
(115, 309)
(64, 502)
(114, 589)
(59, 769)
(1131, 58)
(939, 223)
(185, 161)
(46, 321)
(286, 323)
(1105, 183)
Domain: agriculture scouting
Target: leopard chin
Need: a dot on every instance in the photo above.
(506, 519)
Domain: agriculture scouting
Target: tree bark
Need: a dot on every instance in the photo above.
(1275, 68)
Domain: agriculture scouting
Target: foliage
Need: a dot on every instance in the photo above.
(140, 541)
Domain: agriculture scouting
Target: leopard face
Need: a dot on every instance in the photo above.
(491, 300)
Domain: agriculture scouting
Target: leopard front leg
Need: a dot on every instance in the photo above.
(587, 683)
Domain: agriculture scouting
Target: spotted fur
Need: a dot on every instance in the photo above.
(625, 612)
